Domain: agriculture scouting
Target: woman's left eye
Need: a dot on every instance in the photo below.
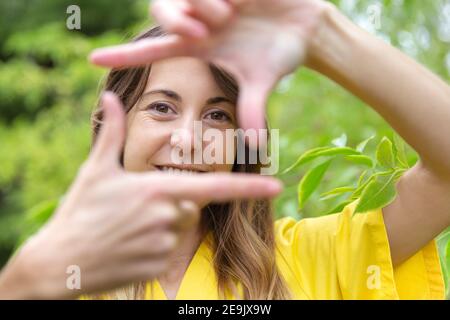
(218, 116)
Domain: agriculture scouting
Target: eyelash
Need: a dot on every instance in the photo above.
(153, 107)
(227, 117)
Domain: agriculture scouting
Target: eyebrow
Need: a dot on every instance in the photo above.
(175, 96)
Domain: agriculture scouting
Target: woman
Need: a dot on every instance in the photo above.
(233, 249)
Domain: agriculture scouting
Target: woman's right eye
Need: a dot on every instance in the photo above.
(161, 108)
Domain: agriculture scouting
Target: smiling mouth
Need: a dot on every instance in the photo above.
(179, 169)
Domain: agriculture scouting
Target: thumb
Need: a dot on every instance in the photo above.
(111, 138)
(252, 109)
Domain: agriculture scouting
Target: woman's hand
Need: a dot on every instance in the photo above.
(117, 227)
(259, 41)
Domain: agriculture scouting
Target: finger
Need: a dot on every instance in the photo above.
(154, 244)
(163, 215)
(237, 2)
(173, 19)
(109, 144)
(251, 107)
(156, 215)
(189, 215)
(214, 13)
(141, 52)
(252, 102)
(207, 187)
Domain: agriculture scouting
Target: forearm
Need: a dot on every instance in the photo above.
(16, 281)
(414, 101)
(27, 276)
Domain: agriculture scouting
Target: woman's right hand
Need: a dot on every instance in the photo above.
(117, 227)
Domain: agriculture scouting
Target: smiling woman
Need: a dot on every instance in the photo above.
(140, 226)
(237, 250)
(242, 230)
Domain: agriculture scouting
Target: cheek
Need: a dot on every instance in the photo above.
(140, 145)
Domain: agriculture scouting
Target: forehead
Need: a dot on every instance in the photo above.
(183, 74)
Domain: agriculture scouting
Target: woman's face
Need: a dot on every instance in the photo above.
(180, 92)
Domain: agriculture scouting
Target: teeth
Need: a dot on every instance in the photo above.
(178, 171)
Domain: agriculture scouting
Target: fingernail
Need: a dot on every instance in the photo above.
(107, 57)
(93, 56)
(107, 97)
(275, 187)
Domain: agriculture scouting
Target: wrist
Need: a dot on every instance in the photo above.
(29, 275)
(17, 280)
(334, 44)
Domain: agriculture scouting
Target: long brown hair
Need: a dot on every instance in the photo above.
(243, 231)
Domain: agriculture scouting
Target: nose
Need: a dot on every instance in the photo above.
(188, 137)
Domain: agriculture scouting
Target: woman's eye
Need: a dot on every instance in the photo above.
(161, 108)
(218, 116)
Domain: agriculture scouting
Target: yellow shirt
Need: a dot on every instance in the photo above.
(331, 257)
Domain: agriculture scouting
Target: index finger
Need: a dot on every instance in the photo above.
(208, 187)
(141, 52)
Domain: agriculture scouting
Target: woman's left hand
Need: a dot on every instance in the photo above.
(258, 41)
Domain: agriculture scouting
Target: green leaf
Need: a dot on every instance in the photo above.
(443, 243)
(378, 193)
(310, 181)
(360, 189)
(447, 270)
(362, 186)
(399, 173)
(361, 177)
(336, 192)
(42, 212)
(362, 145)
(339, 207)
(399, 147)
(447, 258)
(341, 141)
(35, 218)
(444, 236)
(361, 159)
(321, 152)
(384, 153)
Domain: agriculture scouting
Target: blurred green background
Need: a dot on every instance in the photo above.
(48, 89)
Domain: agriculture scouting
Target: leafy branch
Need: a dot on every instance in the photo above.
(376, 185)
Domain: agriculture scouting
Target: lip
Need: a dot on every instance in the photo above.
(200, 169)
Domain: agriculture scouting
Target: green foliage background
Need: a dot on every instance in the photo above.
(47, 91)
